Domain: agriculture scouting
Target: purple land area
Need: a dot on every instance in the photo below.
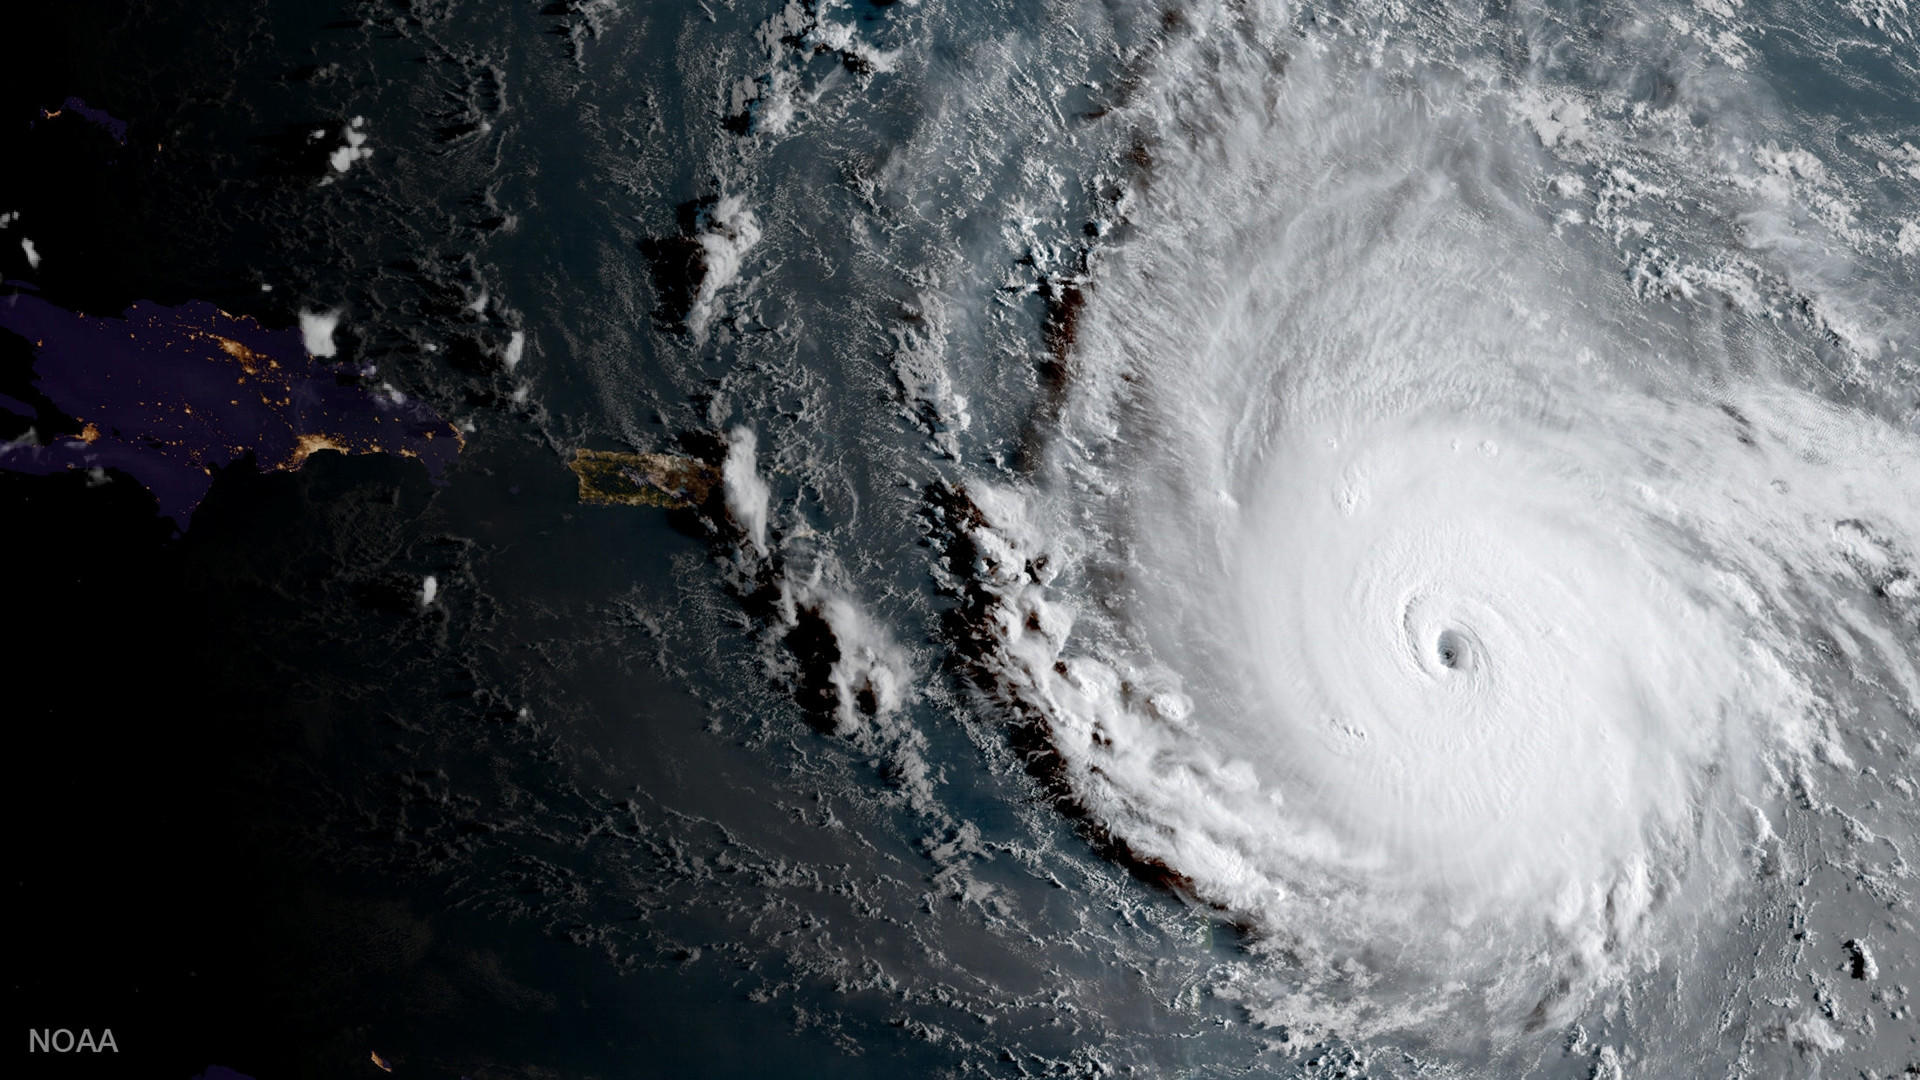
(168, 395)
(100, 118)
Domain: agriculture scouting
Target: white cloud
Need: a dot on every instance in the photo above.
(354, 149)
(316, 329)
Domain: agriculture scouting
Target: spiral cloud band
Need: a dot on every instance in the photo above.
(1405, 583)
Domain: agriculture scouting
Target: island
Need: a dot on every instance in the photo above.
(168, 395)
(615, 478)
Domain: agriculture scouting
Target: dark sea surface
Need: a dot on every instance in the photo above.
(1356, 539)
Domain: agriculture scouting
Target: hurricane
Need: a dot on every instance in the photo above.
(1426, 600)
(1432, 491)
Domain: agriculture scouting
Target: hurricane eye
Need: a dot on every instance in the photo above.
(1452, 650)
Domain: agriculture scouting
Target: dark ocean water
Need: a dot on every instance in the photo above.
(1030, 349)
